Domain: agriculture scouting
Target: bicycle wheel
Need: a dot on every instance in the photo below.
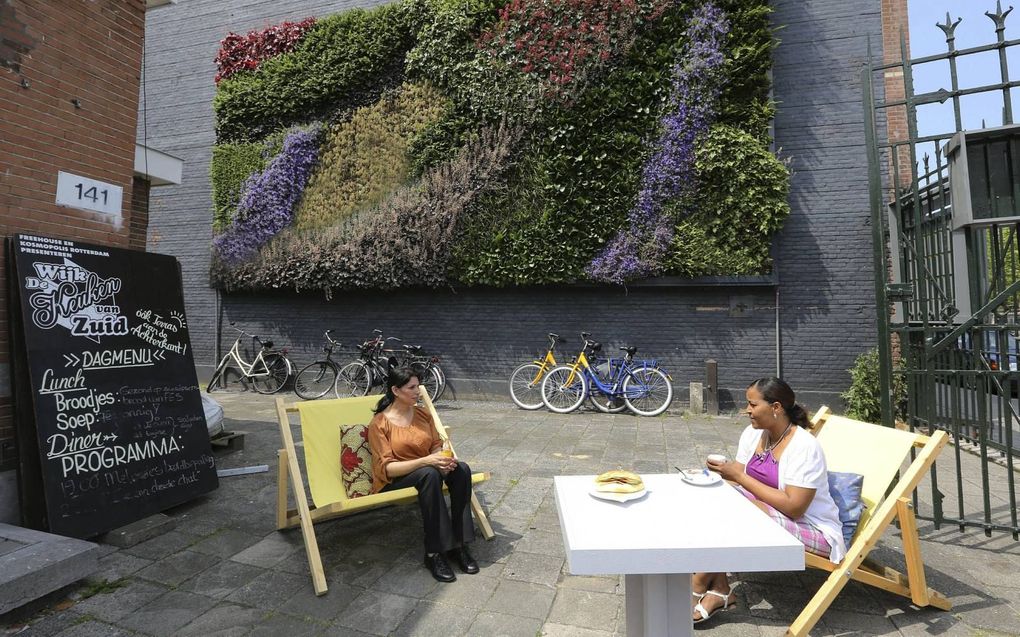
(227, 379)
(563, 389)
(526, 386)
(272, 382)
(315, 379)
(606, 403)
(647, 391)
(442, 380)
(353, 379)
(430, 380)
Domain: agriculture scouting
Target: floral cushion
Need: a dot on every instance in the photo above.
(355, 460)
(846, 492)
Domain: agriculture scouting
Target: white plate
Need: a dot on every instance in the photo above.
(701, 479)
(617, 497)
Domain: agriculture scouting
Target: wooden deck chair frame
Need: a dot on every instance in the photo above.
(305, 515)
(897, 503)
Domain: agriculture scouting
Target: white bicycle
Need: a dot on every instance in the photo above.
(266, 374)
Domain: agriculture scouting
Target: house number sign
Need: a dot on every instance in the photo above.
(88, 194)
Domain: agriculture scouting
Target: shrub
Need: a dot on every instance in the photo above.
(741, 203)
(640, 250)
(229, 169)
(363, 160)
(246, 52)
(336, 67)
(270, 197)
(863, 397)
(405, 241)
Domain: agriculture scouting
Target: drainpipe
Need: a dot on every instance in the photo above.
(779, 340)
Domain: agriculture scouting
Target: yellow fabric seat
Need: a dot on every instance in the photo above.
(320, 423)
(880, 454)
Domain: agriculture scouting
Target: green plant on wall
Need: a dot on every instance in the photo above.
(412, 94)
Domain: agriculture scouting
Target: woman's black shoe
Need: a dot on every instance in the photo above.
(440, 568)
(464, 559)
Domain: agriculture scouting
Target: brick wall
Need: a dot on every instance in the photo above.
(50, 55)
(826, 313)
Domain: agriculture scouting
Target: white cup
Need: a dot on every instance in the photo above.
(716, 458)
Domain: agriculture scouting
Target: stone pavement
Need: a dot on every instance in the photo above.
(225, 570)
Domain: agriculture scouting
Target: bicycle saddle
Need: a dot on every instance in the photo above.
(595, 346)
(630, 349)
(267, 344)
(413, 349)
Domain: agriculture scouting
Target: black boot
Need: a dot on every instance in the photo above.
(440, 568)
(464, 559)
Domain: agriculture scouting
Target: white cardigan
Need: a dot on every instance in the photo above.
(803, 465)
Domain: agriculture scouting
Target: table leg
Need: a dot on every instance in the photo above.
(659, 605)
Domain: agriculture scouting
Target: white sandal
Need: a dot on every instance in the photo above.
(728, 602)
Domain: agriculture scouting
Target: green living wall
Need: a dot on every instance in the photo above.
(478, 142)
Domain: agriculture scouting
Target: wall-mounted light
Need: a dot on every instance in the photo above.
(25, 83)
(76, 102)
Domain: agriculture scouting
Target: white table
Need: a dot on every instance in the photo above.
(659, 540)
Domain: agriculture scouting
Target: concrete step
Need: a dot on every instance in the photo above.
(33, 564)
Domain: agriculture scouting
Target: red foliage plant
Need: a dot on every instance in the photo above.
(246, 52)
(559, 41)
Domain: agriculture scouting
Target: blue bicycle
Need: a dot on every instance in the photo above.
(641, 386)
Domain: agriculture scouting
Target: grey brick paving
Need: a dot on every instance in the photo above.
(220, 575)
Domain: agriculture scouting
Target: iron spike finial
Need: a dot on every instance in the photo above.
(949, 28)
(999, 17)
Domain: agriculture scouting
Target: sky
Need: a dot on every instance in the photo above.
(980, 69)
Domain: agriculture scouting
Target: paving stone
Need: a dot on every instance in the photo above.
(167, 613)
(140, 530)
(470, 592)
(92, 628)
(269, 551)
(376, 613)
(264, 590)
(223, 620)
(409, 580)
(120, 602)
(531, 567)
(174, 569)
(226, 543)
(288, 625)
(47, 624)
(521, 598)
(222, 579)
(428, 619)
(562, 630)
(117, 565)
(492, 624)
(541, 542)
(161, 545)
(306, 604)
(586, 609)
(608, 584)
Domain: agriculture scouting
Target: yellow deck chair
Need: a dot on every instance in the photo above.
(320, 433)
(879, 454)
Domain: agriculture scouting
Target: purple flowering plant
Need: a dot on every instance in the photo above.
(270, 197)
(669, 174)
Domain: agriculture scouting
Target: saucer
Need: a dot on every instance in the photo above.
(617, 497)
(702, 479)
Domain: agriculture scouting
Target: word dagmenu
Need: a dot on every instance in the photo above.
(118, 417)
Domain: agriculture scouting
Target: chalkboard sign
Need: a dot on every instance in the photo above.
(111, 426)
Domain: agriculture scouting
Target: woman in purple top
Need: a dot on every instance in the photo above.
(781, 468)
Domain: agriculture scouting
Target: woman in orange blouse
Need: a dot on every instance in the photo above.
(407, 452)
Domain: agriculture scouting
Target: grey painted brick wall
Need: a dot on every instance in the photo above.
(826, 309)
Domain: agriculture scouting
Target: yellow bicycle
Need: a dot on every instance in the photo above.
(526, 380)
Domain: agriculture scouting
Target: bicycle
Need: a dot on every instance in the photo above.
(427, 367)
(601, 401)
(267, 373)
(526, 379)
(319, 377)
(358, 377)
(645, 389)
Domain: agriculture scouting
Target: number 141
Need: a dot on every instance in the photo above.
(91, 193)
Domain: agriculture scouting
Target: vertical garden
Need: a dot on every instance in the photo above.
(478, 142)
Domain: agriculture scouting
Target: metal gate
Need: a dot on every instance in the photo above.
(947, 229)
